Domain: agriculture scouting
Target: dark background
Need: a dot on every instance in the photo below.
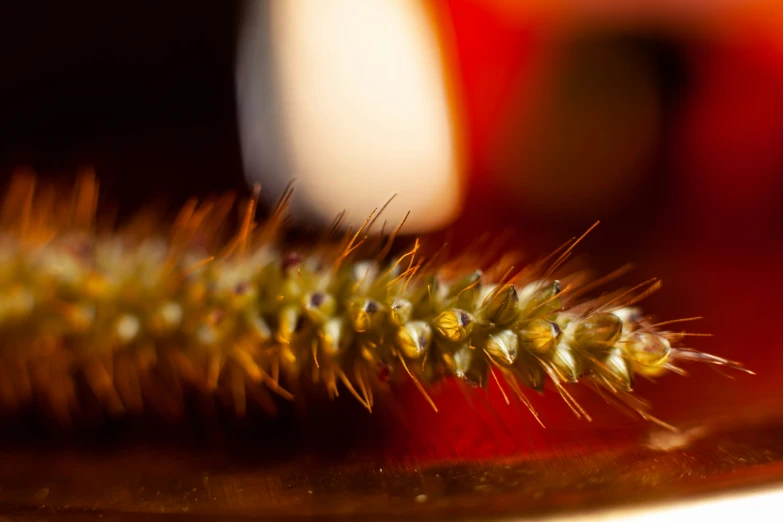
(141, 91)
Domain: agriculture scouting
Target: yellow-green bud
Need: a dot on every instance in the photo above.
(598, 332)
(319, 306)
(365, 314)
(543, 301)
(454, 325)
(400, 311)
(503, 346)
(287, 323)
(647, 349)
(471, 366)
(502, 307)
(539, 336)
(529, 371)
(414, 339)
(566, 364)
(334, 336)
(617, 369)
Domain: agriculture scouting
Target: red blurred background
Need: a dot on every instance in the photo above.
(664, 121)
(669, 128)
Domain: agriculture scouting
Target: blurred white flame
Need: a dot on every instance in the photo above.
(756, 505)
(349, 97)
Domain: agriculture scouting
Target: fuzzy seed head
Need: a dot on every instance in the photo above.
(231, 314)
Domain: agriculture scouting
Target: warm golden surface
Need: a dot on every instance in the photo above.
(120, 485)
